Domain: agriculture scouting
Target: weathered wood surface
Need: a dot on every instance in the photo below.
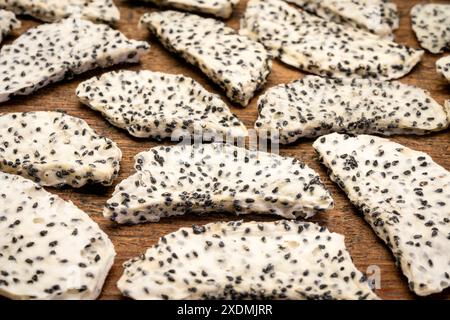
(365, 248)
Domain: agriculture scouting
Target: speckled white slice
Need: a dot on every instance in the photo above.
(443, 67)
(405, 197)
(314, 106)
(55, 149)
(159, 105)
(8, 22)
(50, 248)
(219, 8)
(431, 23)
(253, 260)
(377, 16)
(54, 10)
(216, 177)
(324, 47)
(51, 52)
(236, 63)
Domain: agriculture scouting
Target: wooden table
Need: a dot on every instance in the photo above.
(365, 248)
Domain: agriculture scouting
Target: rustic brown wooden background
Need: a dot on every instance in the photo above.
(130, 241)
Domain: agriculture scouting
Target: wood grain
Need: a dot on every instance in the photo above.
(365, 248)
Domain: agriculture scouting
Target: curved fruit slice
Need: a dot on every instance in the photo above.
(236, 63)
(55, 149)
(50, 248)
(159, 105)
(216, 177)
(377, 16)
(54, 10)
(314, 106)
(51, 52)
(431, 23)
(324, 47)
(234, 260)
(405, 197)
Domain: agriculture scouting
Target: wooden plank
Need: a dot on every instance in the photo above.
(130, 241)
